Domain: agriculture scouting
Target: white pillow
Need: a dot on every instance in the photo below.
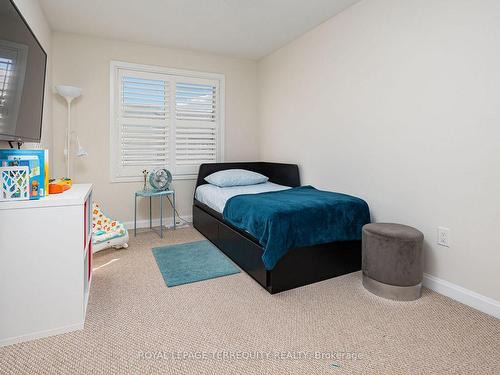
(235, 177)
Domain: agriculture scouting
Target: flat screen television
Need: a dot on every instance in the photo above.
(22, 77)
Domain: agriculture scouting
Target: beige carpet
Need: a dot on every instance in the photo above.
(136, 325)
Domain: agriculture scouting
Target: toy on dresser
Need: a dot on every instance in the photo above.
(59, 185)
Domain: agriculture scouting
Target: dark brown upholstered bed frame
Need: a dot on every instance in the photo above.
(300, 266)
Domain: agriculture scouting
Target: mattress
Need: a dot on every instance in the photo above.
(216, 197)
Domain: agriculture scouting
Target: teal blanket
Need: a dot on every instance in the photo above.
(298, 217)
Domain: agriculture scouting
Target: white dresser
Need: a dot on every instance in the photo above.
(45, 264)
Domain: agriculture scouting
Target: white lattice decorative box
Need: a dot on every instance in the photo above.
(14, 183)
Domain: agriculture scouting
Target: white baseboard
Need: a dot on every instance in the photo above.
(465, 296)
(167, 222)
(40, 334)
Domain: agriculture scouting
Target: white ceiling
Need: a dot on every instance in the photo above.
(240, 28)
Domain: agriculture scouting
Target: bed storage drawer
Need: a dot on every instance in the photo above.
(316, 263)
(206, 225)
(243, 252)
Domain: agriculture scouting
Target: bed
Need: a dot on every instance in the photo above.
(299, 266)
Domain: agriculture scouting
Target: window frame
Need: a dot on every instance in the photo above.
(113, 118)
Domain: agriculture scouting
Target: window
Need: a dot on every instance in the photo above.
(164, 118)
(5, 74)
(13, 57)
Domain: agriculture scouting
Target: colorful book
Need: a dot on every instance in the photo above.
(37, 162)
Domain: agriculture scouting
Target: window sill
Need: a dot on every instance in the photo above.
(141, 179)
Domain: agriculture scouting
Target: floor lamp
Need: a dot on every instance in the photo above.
(69, 93)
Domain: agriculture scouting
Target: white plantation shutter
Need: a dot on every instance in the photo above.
(161, 119)
(196, 124)
(143, 122)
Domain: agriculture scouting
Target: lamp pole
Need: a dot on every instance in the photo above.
(68, 135)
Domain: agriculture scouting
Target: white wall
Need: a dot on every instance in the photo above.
(84, 62)
(31, 11)
(398, 102)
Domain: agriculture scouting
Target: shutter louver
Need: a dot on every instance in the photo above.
(5, 73)
(144, 98)
(195, 102)
(196, 126)
(144, 130)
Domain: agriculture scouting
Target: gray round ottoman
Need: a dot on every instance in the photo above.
(392, 261)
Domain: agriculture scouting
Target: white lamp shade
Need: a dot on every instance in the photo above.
(69, 91)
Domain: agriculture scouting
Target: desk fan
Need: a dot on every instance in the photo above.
(160, 178)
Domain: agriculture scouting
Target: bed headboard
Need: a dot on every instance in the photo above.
(279, 173)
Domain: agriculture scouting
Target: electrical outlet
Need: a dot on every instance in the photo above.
(443, 237)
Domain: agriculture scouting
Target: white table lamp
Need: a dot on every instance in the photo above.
(69, 93)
